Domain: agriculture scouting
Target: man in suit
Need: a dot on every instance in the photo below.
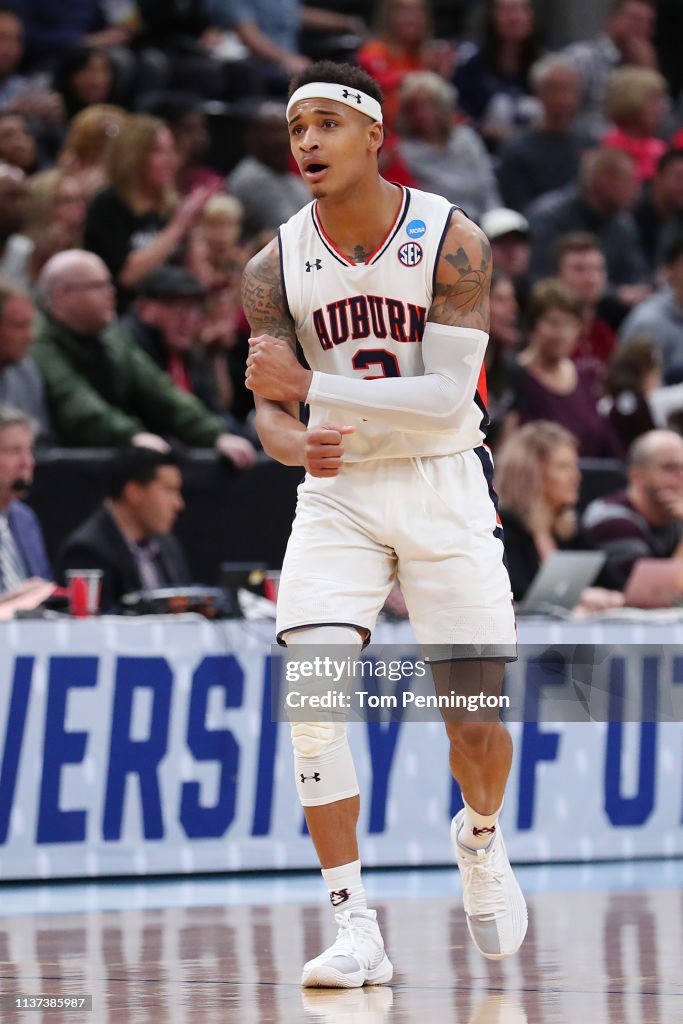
(21, 385)
(128, 537)
(22, 549)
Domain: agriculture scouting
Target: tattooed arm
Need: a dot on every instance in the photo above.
(463, 277)
(278, 380)
(277, 422)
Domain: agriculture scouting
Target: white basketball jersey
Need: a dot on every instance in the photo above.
(366, 320)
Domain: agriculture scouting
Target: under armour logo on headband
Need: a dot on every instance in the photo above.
(354, 98)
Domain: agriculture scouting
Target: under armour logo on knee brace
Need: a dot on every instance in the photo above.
(339, 896)
(315, 776)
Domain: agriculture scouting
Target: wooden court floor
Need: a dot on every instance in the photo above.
(589, 958)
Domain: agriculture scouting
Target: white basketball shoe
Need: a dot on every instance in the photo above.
(494, 904)
(355, 958)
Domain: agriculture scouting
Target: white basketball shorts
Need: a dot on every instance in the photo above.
(429, 522)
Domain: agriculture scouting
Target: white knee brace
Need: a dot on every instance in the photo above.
(323, 762)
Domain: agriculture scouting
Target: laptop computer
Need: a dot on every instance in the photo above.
(560, 581)
(655, 583)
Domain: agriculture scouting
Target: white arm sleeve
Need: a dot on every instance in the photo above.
(439, 400)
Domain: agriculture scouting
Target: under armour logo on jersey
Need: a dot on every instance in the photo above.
(315, 776)
(316, 265)
(339, 896)
(356, 95)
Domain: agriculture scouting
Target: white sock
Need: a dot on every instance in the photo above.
(478, 830)
(345, 887)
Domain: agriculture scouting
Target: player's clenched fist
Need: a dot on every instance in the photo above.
(274, 372)
(324, 449)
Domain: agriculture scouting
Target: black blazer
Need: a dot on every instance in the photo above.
(98, 544)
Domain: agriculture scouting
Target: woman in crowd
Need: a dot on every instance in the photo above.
(85, 153)
(546, 382)
(403, 44)
(18, 146)
(493, 78)
(56, 216)
(537, 478)
(184, 114)
(637, 102)
(85, 76)
(442, 156)
(137, 223)
(218, 259)
(636, 400)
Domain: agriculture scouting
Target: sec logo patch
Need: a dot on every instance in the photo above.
(410, 254)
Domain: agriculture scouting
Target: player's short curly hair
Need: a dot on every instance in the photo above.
(339, 74)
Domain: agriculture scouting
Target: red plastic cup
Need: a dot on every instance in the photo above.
(85, 590)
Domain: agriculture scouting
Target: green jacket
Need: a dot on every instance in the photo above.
(104, 389)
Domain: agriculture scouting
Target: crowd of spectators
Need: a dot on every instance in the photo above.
(144, 157)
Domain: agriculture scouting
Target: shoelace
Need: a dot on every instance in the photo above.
(346, 936)
(484, 885)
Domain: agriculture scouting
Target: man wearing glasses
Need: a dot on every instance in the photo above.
(103, 390)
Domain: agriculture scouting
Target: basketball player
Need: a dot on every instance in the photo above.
(386, 290)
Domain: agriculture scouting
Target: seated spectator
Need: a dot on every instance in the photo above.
(659, 213)
(184, 115)
(600, 204)
(201, 55)
(165, 322)
(442, 156)
(22, 549)
(626, 38)
(508, 233)
(537, 479)
(20, 93)
(263, 181)
(504, 339)
(547, 155)
(85, 76)
(129, 536)
(218, 254)
(492, 79)
(582, 269)
(102, 389)
(136, 224)
(218, 259)
(85, 154)
(645, 520)
(15, 247)
(52, 30)
(661, 315)
(17, 144)
(56, 216)
(634, 372)
(636, 101)
(270, 32)
(546, 382)
(21, 385)
(403, 44)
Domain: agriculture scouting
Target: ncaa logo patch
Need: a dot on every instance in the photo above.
(416, 229)
(410, 254)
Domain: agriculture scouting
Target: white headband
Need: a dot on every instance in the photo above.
(353, 98)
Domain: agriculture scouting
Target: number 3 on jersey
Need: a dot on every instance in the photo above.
(367, 357)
